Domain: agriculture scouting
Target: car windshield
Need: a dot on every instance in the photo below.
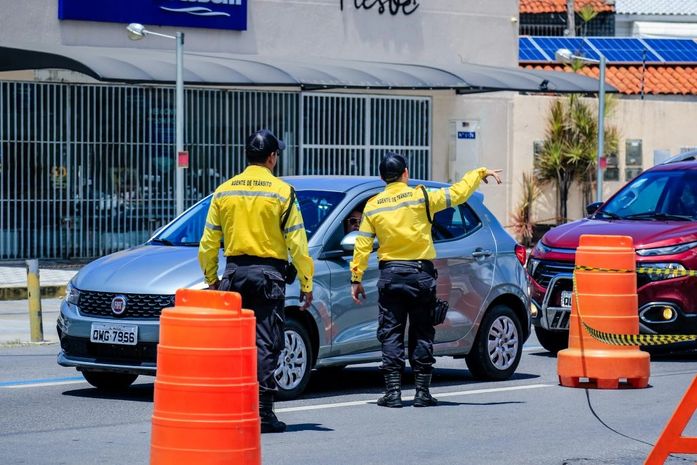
(187, 230)
(656, 195)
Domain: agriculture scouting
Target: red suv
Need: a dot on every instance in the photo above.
(658, 209)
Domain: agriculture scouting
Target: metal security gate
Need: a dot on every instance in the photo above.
(348, 134)
(86, 170)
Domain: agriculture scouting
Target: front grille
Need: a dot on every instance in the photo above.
(143, 352)
(546, 270)
(138, 306)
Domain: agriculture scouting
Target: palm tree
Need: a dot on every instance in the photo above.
(569, 151)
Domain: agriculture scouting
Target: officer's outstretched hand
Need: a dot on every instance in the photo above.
(494, 174)
(357, 290)
(306, 298)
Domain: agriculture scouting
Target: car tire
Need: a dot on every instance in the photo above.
(295, 361)
(553, 341)
(109, 382)
(501, 327)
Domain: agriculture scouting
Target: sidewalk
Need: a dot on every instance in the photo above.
(13, 281)
(14, 321)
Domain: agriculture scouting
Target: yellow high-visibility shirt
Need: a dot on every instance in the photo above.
(246, 212)
(397, 217)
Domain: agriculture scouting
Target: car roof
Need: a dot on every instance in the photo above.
(675, 166)
(685, 156)
(346, 183)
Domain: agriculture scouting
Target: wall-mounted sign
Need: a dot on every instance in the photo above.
(466, 135)
(393, 7)
(212, 14)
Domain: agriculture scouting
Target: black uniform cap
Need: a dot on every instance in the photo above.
(392, 166)
(262, 143)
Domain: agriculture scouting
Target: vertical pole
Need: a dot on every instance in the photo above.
(180, 122)
(570, 18)
(601, 128)
(34, 300)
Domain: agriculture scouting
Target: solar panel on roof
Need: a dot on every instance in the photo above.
(623, 49)
(528, 52)
(577, 45)
(675, 50)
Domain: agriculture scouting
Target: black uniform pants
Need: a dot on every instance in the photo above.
(406, 290)
(262, 286)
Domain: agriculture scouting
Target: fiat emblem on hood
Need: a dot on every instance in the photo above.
(118, 304)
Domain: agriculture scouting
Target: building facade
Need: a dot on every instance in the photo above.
(87, 167)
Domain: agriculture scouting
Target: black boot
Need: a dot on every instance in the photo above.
(393, 390)
(269, 422)
(423, 397)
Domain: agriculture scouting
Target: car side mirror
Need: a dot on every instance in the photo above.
(593, 207)
(348, 243)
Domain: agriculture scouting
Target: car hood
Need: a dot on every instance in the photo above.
(147, 269)
(646, 234)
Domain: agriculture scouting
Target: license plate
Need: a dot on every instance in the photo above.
(566, 299)
(105, 333)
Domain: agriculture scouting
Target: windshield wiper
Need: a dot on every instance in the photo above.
(658, 216)
(605, 214)
(162, 241)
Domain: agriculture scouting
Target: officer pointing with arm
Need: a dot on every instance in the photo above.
(259, 219)
(407, 285)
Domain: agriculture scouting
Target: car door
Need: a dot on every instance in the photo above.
(354, 326)
(466, 252)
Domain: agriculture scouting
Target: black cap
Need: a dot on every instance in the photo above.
(392, 166)
(262, 143)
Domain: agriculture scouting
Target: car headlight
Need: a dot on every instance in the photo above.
(72, 294)
(664, 270)
(670, 250)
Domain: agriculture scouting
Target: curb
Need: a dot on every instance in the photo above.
(20, 293)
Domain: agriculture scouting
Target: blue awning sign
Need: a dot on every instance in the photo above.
(211, 14)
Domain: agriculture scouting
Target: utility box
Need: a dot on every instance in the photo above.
(465, 148)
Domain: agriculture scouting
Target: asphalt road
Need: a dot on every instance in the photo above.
(48, 415)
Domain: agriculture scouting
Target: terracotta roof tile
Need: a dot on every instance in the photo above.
(559, 6)
(658, 79)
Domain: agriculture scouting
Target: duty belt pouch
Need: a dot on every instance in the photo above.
(291, 273)
(439, 311)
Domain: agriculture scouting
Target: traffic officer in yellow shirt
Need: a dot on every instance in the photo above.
(259, 220)
(407, 285)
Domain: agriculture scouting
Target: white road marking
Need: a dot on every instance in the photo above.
(436, 394)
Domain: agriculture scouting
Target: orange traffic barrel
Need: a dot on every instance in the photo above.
(206, 406)
(605, 298)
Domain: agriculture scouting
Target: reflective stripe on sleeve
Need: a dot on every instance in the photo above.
(365, 234)
(213, 227)
(406, 203)
(239, 193)
(293, 228)
(448, 202)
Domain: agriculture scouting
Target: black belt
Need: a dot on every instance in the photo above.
(250, 260)
(421, 265)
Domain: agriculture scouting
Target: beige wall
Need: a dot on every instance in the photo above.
(509, 124)
(660, 124)
(478, 31)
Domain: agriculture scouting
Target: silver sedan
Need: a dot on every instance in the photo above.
(109, 321)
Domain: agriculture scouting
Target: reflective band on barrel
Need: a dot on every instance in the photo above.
(630, 339)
